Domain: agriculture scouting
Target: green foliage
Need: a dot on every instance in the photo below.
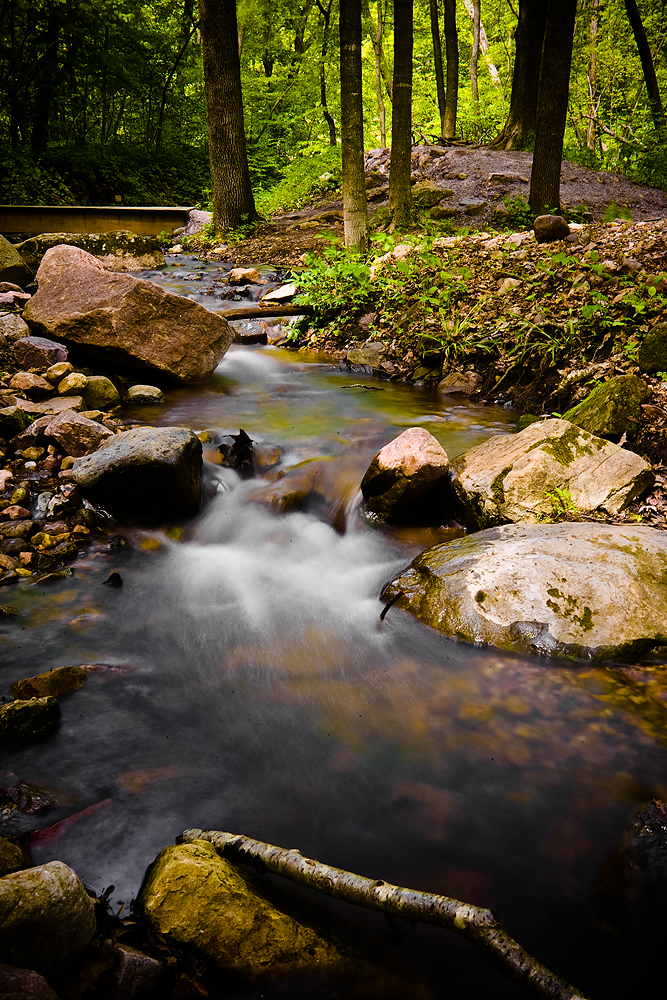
(337, 279)
(614, 211)
(306, 178)
(519, 211)
(562, 504)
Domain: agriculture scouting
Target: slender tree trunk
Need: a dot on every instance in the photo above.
(452, 55)
(521, 119)
(484, 45)
(437, 59)
(328, 117)
(591, 132)
(233, 201)
(400, 193)
(655, 101)
(474, 61)
(46, 80)
(355, 213)
(103, 126)
(377, 49)
(552, 98)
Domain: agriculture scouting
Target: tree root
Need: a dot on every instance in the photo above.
(478, 925)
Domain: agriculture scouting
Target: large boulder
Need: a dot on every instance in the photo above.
(23, 984)
(47, 919)
(117, 251)
(652, 353)
(412, 464)
(524, 476)
(125, 321)
(613, 408)
(200, 899)
(23, 721)
(592, 591)
(151, 473)
(12, 266)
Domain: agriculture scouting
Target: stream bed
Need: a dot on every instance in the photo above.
(244, 682)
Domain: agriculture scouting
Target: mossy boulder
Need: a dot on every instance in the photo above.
(426, 194)
(612, 408)
(198, 898)
(525, 476)
(12, 266)
(578, 590)
(59, 680)
(652, 353)
(22, 721)
(11, 858)
(47, 919)
(100, 393)
(13, 420)
(116, 251)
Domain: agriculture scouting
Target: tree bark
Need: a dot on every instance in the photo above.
(484, 45)
(591, 133)
(452, 56)
(478, 925)
(654, 99)
(46, 79)
(233, 201)
(328, 117)
(474, 53)
(377, 50)
(355, 213)
(552, 98)
(437, 60)
(521, 119)
(400, 164)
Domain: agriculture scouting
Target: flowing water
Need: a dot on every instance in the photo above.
(244, 682)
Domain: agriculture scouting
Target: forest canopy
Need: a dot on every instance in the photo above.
(103, 100)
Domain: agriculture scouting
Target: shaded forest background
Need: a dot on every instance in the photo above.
(102, 101)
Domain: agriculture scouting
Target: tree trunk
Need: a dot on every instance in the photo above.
(452, 55)
(328, 117)
(437, 59)
(521, 119)
(400, 192)
(355, 214)
(654, 99)
(232, 197)
(474, 53)
(377, 49)
(46, 79)
(484, 45)
(480, 926)
(552, 98)
(591, 131)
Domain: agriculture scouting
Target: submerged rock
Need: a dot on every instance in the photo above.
(613, 408)
(531, 589)
(57, 681)
(522, 477)
(402, 472)
(47, 919)
(203, 900)
(152, 473)
(11, 859)
(125, 321)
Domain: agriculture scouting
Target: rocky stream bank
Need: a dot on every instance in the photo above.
(83, 342)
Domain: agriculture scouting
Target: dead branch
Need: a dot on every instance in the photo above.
(262, 312)
(478, 925)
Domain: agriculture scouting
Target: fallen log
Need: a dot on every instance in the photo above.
(262, 312)
(480, 926)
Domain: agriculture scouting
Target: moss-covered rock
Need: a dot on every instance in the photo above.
(652, 353)
(530, 589)
(11, 858)
(201, 899)
(100, 393)
(524, 476)
(12, 266)
(525, 420)
(59, 680)
(117, 251)
(47, 919)
(22, 721)
(613, 408)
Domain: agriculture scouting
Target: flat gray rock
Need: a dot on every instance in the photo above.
(582, 591)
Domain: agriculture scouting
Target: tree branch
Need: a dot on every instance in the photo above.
(478, 925)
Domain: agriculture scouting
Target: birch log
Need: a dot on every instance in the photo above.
(475, 923)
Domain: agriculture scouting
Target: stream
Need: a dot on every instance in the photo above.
(244, 682)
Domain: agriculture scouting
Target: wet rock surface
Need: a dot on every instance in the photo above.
(613, 408)
(24, 721)
(200, 899)
(530, 589)
(403, 472)
(47, 918)
(121, 250)
(124, 321)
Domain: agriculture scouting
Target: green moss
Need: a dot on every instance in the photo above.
(480, 597)
(611, 408)
(497, 489)
(567, 448)
(585, 620)
(525, 420)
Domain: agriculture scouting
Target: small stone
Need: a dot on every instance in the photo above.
(140, 395)
(21, 721)
(73, 384)
(57, 681)
(39, 352)
(282, 294)
(13, 328)
(13, 420)
(100, 393)
(33, 454)
(58, 372)
(24, 984)
(460, 382)
(33, 386)
(508, 284)
(461, 177)
(15, 513)
(243, 275)
(548, 228)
